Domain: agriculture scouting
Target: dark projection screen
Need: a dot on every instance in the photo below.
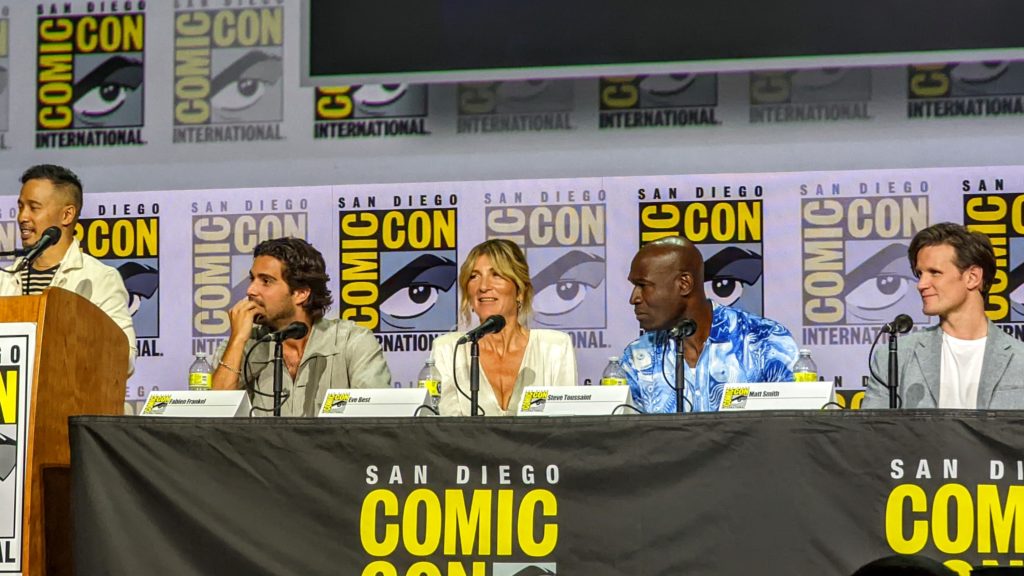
(402, 37)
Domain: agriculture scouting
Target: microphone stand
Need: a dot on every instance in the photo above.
(474, 378)
(680, 373)
(894, 372)
(278, 375)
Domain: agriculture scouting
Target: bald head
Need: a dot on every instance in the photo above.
(668, 280)
(678, 253)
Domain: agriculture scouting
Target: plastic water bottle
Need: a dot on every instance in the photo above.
(430, 379)
(613, 374)
(805, 370)
(200, 374)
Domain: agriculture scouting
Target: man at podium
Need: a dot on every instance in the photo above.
(48, 209)
(288, 285)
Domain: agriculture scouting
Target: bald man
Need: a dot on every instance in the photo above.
(730, 345)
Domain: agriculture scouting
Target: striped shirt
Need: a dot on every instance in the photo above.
(35, 281)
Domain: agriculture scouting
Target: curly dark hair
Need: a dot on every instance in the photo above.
(971, 248)
(304, 267)
(63, 180)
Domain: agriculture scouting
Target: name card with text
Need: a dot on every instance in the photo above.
(778, 396)
(576, 401)
(375, 402)
(197, 404)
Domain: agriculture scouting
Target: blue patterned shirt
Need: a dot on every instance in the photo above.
(741, 347)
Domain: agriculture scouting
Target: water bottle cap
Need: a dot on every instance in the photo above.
(613, 358)
(805, 351)
(430, 361)
(200, 354)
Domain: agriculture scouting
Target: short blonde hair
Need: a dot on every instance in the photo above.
(508, 260)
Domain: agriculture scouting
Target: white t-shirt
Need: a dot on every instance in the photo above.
(961, 372)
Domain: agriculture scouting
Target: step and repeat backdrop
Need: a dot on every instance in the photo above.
(822, 252)
(185, 107)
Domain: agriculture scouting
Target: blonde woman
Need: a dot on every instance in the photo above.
(495, 280)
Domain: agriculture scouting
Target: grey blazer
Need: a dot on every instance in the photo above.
(920, 358)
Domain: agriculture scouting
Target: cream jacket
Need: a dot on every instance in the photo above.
(93, 280)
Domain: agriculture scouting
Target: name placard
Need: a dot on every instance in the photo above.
(375, 402)
(575, 401)
(777, 396)
(197, 404)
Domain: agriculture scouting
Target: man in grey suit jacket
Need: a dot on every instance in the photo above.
(965, 361)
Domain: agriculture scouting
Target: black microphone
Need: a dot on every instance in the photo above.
(491, 324)
(901, 325)
(50, 237)
(685, 328)
(293, 331)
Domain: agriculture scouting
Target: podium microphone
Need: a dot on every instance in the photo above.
(50, 237)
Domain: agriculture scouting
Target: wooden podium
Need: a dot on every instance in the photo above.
(81, 367)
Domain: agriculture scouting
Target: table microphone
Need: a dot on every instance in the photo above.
(901, 325)
(685, 328)
(491, 324)
(293, 331)
(680, 332)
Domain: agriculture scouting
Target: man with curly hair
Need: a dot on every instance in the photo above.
(287, 284)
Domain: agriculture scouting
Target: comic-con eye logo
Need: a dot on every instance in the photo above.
(228, 66)
(965, 79)
(528, 105)
(569, 288)
(665, 91)
(999, 217)
(565, 249)
(157, 404)
(515, 97)
(663, 100)
(90, 71)
(728, 236)
(412, 289)
(965, 89)
(398, 269)
(370, 110)
(132, 247)
(855, 268)
(735, 398)
(811, 85)
(335, 403)
(732, 277)
(825, 94)
(534, 401)
(370, 101)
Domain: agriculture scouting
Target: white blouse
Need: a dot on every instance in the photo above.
(549, 360)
